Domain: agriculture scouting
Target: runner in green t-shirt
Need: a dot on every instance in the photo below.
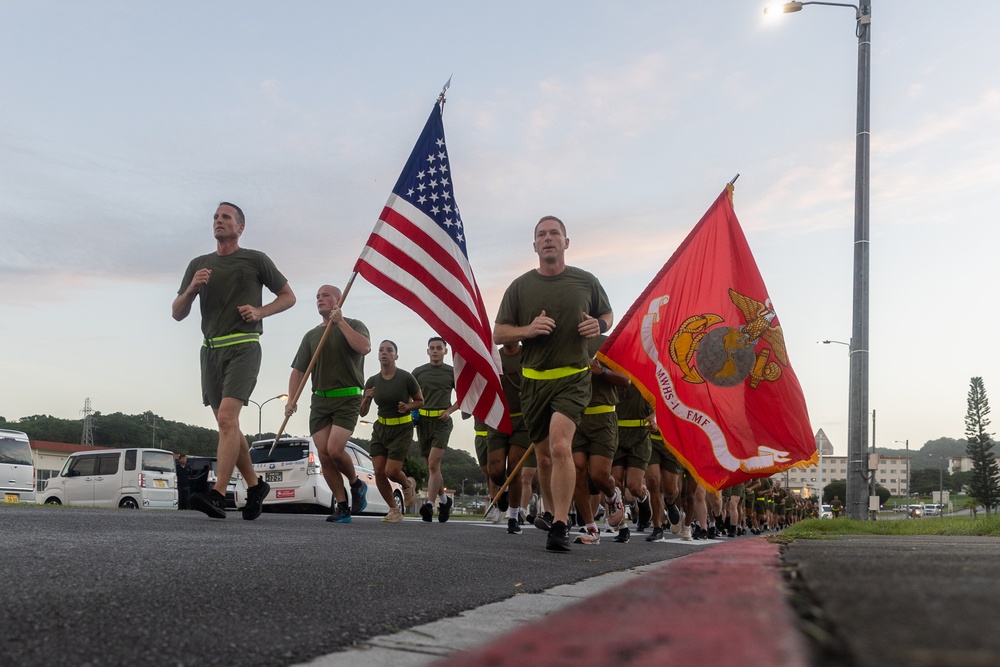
(336, 378)
(552, 311)
(397, 394)
(437, 382)
(228, 285)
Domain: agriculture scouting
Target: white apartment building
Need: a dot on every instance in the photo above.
(892, 472)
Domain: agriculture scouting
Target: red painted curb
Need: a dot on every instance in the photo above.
(722, 606)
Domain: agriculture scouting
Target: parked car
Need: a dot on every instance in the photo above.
(825, 512)
(17, 472)
(293, 470)
(128, 478)
(932, 509)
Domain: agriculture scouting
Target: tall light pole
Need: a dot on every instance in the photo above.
(857, 427)
(260, 409)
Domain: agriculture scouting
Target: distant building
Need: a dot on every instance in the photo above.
(807, 482)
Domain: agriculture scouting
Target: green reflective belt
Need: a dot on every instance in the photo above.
(395, 421)
(231, 339)
(482, 434)
(431, 413)
(631, 423)
(598, 409)
(337, 393)
(552, 373)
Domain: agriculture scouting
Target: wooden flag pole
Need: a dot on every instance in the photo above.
(312, 363)
(517, 469)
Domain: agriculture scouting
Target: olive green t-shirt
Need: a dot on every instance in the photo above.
(388, 393)
(602, 392)
(338, 365)
(633, 404)
(564, 298)
(237, 280)
(437, 383)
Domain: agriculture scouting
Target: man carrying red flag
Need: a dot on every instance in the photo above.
(552, 311)
(704, 344)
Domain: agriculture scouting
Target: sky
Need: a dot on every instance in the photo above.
(123, 124)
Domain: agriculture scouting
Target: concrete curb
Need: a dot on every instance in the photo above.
(726, 604)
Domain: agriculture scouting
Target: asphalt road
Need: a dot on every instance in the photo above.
(86, 586)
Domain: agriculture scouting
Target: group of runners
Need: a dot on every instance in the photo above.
(594, 453)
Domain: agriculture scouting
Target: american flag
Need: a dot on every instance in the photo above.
(417, 255)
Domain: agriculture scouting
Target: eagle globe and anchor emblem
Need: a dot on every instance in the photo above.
(726, 356)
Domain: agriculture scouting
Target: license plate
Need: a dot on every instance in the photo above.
(160, 483)
(11, 498)
(272, 476)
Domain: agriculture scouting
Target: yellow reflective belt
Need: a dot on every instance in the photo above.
(431, 413)
(656, 436)
(231, 339)
(631, 423)
(516, 414)
(598, 409)
(337, 393)
(552, 373)
(395, 421)
(482, 434)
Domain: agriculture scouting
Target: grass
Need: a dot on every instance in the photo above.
(818, 529)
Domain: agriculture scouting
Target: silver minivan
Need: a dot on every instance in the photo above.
(129, 478)
(17, 470)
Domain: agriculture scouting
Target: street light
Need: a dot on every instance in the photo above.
(907, 442)
(260, 409)
(857, 427)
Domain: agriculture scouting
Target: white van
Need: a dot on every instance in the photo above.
(17, 470)
(129, 478)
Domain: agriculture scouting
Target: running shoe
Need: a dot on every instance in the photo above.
(686, 533)
(394, 516)
(544, 521)
(656, 535)
(340, 514)
(513, 527)
(521, 519)
(359, 496)
(623, 535)
(255, 499)
(427, 511)
(645, 514)
(444, 510)
(558, 539)
(616, 510)
(212, 503)
(675, 518)
(589, 536)
(493, 516)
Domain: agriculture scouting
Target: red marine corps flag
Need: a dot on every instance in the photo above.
(417, 255)
(704, 345)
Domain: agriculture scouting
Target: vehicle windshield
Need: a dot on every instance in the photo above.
(17, 452)
(293, 450)
(158, 461)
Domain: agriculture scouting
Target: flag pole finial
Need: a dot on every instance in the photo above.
(447, 85)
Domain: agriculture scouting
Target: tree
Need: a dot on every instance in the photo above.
(837, 487)
(983, 485)
(883, 494)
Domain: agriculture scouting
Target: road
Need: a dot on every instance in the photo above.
(87, 586)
